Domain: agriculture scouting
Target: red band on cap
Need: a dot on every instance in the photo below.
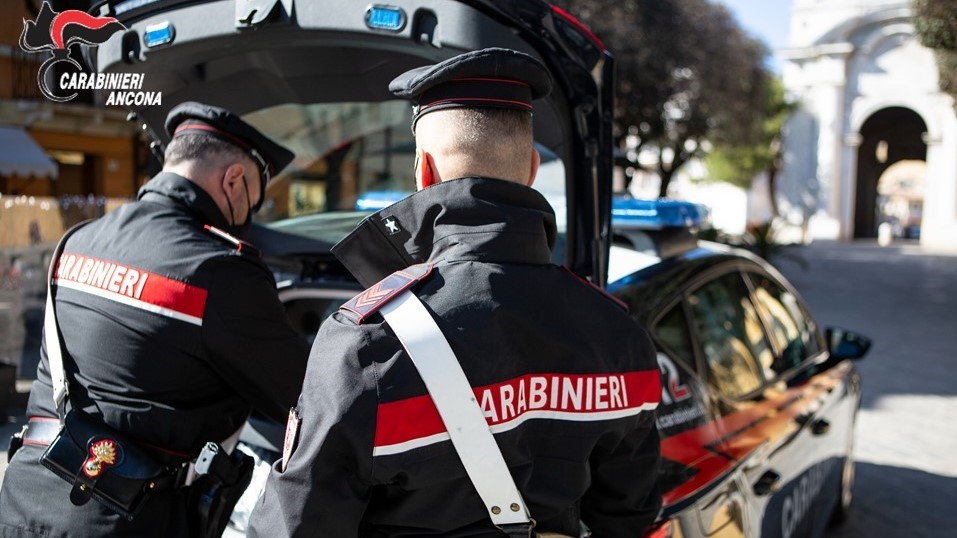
(469, 99)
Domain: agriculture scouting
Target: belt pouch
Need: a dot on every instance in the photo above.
(102, 464)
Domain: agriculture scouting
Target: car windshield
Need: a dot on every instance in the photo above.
(351, 153)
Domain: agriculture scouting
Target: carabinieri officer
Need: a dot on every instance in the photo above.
(567, 381)
(171, 327)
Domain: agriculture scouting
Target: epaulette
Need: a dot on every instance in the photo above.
(621, 304)
(371, 300)
(242, 247)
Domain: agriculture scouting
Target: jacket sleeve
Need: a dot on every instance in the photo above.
(624, 497)
(327, 482)
(248, 339)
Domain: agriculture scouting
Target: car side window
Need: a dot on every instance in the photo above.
(793, 332)
(672, 331)
(731, 335)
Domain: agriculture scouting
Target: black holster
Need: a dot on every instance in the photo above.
(104, 465)
(222, 480)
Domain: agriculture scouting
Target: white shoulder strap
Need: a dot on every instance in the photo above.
(51, 336)
(51, 332)
(460, 411)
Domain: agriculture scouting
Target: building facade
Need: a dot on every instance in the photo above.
(872, 128)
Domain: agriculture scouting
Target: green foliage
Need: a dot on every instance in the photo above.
(936, 25)
(737, 165)
(760, 151)
(947, 65)
(761, 239)
(686, 73)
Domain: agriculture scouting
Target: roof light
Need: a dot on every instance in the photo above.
(376, 200)
(380, 17)
(158, 34)
(657, 214)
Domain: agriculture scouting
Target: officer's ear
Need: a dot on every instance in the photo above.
(536, 162)
(425, 174)
(233, 179)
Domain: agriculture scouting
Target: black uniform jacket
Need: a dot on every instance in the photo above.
(567, 380)
(171, 333)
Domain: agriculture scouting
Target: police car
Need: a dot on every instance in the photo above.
(759, 402)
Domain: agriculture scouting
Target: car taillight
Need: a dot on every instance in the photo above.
(664, 529)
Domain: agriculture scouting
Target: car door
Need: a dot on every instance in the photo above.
(804, 504)
(692, 472)
(769, 403)
(732, 345)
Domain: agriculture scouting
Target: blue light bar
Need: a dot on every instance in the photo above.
(376, 200)
(158, 34)
(380, 17)
(657, 214)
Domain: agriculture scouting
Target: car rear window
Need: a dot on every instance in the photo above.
(349, 151)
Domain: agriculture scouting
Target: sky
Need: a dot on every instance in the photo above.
(766, 20)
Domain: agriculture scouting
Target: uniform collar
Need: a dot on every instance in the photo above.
(175, 190)
(473, 218)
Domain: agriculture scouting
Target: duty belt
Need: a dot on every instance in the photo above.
(41, 431)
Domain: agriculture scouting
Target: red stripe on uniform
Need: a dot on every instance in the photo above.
(130, 285)
(401, 421)
(175, 295)
(574, 397)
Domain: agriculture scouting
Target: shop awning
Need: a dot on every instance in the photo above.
(20, 155)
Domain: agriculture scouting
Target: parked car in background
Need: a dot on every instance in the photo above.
(758, 402)
(758, 407)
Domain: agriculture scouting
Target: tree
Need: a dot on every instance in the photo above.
(936, 24)
(763, 151)
(686, 74)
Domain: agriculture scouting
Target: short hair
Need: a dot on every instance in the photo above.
(200, 147)
(494, 142)
(478, 126)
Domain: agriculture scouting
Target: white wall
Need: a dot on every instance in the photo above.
(847, 60)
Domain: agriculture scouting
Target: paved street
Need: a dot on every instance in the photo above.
(906, 300)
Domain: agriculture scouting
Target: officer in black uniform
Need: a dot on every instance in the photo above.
(171, 327)
(566, 380)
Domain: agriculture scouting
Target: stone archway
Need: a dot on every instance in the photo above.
(888, 136)
(900, 193)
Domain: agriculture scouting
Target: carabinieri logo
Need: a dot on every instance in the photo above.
(57, 32)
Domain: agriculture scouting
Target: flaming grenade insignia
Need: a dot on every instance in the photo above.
(102, 455)
(57, 32)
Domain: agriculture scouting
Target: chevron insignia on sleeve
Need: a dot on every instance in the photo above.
(371, 300)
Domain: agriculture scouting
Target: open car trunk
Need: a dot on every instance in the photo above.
(314, 76)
